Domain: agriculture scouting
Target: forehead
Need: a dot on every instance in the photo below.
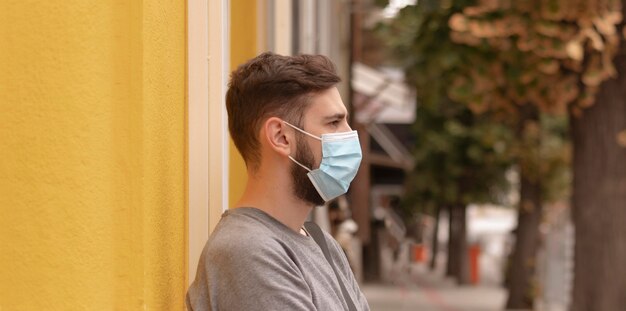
(324, 104)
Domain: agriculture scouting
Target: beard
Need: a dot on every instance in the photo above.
(303, 187)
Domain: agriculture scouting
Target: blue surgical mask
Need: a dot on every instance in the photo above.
(341, 157)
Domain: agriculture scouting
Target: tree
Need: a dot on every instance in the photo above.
(552, 56)
(460, 158)
(515, 61)
(565, 49)
(599, 195)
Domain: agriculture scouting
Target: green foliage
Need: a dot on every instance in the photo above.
(419, 40)
(518, 66)
(460, 158)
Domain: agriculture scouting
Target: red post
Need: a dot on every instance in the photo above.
(474, 256)
(419, 253)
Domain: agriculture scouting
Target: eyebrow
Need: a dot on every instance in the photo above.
(336, 116)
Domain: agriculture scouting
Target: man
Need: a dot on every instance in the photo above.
(290, 125)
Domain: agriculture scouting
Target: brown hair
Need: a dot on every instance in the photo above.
(272, 85)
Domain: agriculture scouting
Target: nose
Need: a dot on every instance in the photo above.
(346, 127)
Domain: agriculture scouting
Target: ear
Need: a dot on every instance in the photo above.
(278, 137)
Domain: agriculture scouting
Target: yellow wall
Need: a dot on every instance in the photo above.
(92, 155)
(243, 46)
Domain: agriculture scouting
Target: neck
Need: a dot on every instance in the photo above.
(276, 199)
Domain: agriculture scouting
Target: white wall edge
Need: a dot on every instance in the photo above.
(207, 52)
(198, 131)
(282, 27)
(225, 134)
(219, 69)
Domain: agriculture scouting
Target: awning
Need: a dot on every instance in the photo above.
(384, 97)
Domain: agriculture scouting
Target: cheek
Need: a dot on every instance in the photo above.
(316, 149)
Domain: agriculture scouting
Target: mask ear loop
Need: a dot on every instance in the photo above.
(294, 160)
(302, 131)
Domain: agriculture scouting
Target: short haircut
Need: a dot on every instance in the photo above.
(272, 85)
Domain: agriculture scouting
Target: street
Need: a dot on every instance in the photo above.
(422, 290)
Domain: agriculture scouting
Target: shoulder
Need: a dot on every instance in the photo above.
(237, 255)
(245, 266)
(248, 240)
(242, 238)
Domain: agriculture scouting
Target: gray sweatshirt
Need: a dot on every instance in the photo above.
(254, 262)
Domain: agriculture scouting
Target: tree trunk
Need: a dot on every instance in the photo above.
(452, 256)
(458, 265)
(521, 274)
(435, 240)
(371, 255)
(599, 197)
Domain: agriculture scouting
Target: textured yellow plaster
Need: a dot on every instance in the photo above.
(92, 155)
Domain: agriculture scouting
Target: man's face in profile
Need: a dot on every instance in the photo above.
(325, 114)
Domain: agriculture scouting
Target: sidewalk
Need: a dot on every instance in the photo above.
(423, 290)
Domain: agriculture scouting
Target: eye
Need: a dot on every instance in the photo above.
(334, 123)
